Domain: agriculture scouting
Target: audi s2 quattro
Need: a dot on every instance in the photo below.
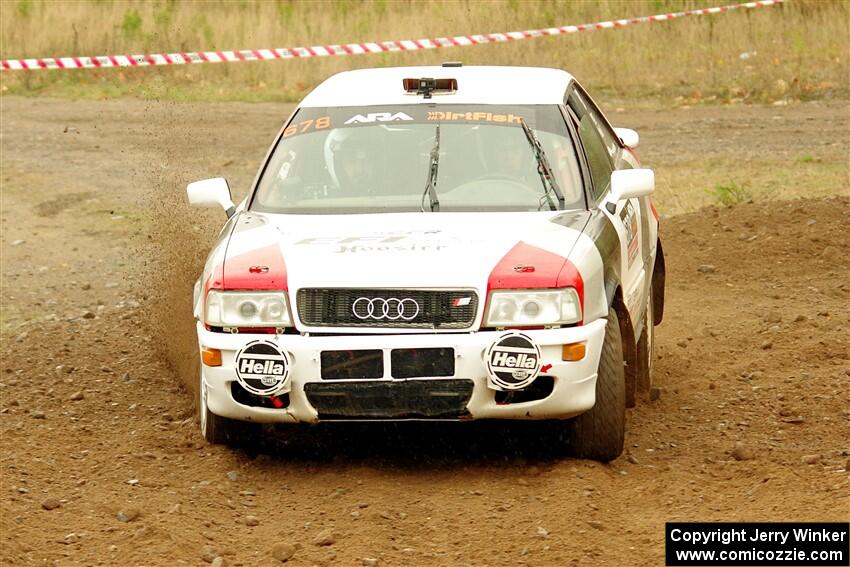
(435, 243)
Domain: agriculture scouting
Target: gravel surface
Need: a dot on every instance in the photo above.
(102, 462)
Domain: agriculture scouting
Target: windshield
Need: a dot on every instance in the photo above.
(379, 159)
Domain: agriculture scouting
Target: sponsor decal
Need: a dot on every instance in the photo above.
(433, 241)
(377, 117)
(394, 249)
(513, 362)
(375, 238)
(378, 238)
(630, 221)
(474, 117)
(262, 368)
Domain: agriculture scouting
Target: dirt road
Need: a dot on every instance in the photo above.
(102, 463)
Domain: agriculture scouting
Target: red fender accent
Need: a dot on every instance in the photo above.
(529, 267)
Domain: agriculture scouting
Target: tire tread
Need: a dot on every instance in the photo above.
(599, 433)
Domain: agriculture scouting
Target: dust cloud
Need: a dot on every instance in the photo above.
(178, 240)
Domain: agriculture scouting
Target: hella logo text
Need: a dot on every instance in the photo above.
(261, 367)
(506, 360)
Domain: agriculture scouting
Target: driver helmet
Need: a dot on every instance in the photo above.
(505, 152)
(349, 158)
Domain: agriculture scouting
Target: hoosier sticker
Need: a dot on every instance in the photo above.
(262, 368)
(513, 362)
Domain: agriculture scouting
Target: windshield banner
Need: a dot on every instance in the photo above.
(308, 120)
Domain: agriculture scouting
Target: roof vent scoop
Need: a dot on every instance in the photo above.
(428, 87)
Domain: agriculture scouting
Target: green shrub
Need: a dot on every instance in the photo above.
(731, 193)
(24, 8)
(131, 25)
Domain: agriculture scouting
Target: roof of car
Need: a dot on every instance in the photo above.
(475, 85)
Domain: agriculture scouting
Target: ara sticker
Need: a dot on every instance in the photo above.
(377, 117)
(513, 362)
(262, 368)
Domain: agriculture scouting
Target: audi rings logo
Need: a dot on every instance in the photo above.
(390, 309)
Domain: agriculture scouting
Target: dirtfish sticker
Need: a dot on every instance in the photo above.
(262, 368)
(513, 362)
(474, 117)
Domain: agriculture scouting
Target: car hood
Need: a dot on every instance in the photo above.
(390, 250)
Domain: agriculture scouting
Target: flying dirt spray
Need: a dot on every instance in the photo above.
(176, 245)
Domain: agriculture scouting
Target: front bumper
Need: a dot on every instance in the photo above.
(573, 391)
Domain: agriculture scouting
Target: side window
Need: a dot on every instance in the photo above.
(600, 147)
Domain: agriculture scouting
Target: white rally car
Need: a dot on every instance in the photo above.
(435, 243)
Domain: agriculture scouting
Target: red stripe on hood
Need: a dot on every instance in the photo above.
(550, 270)
(268, 273)
(215, 280)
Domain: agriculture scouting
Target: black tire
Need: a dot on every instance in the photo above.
(600, 432)
(646, 347)
(220, 430)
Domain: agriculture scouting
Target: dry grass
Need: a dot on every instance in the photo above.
(798, 50)
(684, 187)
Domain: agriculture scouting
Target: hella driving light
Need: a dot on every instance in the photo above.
(533, 308)
(247, 309)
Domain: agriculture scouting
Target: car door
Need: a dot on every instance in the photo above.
(604, 154)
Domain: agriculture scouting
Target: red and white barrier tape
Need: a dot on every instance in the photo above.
(104, 61)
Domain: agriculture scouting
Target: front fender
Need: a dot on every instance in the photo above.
(659, 277)
(196, 300)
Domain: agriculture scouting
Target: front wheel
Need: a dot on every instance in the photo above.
(220, 430)
(600, 432)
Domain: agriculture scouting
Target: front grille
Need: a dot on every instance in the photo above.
(398, 399)
(388, 308)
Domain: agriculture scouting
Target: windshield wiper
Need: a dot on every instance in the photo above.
(544, 169)
(433, 167)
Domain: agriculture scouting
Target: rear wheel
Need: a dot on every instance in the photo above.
(599, 433)
(646, 347)
(221, 430)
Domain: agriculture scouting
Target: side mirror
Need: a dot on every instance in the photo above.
(629, 183)
(213, 192)
(628, 136)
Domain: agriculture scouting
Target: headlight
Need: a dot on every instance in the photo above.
(247, 309)
(533, 308)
